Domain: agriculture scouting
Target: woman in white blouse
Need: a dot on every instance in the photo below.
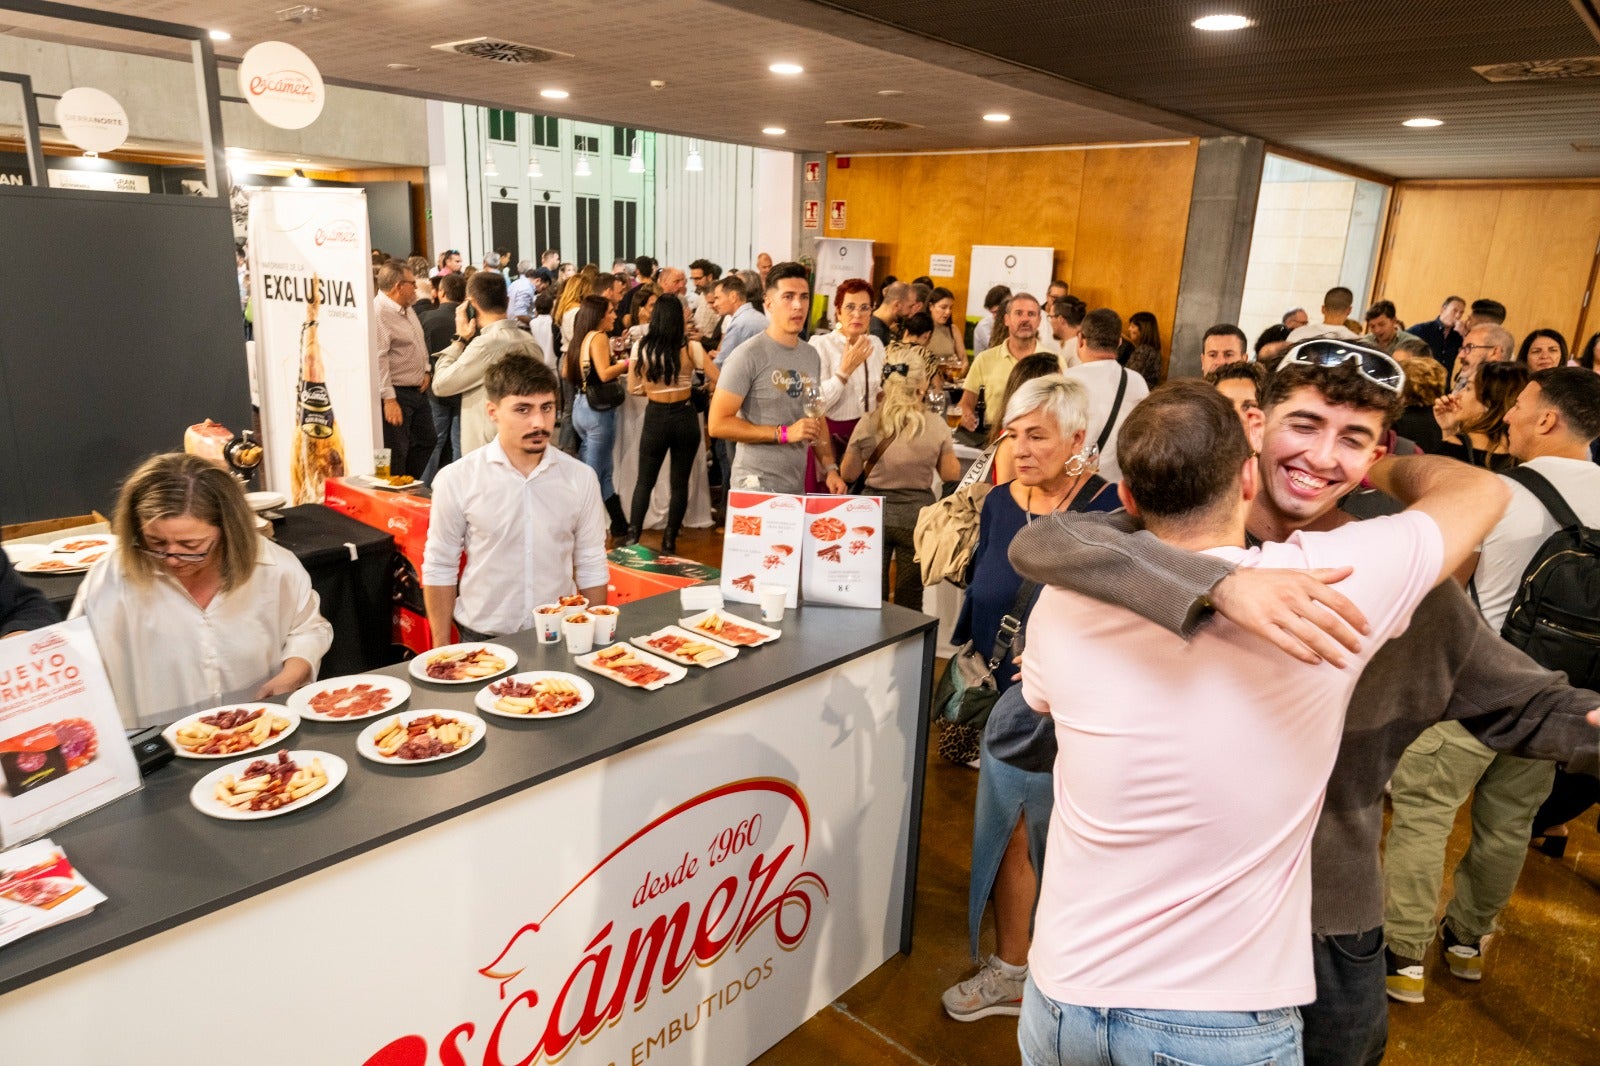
(852, 365)
(193, 609)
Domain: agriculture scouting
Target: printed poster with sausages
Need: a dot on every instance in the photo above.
(761, 545)
(63, 752)
(843, 551)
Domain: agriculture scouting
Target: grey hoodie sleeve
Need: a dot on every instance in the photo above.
(1108, 557)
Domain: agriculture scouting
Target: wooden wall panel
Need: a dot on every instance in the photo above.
(1530, 246)
(1131, 228)
(1116, 217)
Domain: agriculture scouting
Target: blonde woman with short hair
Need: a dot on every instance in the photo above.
(193, 609)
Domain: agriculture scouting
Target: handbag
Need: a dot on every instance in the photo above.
(946, 534)
(859, 484)
(967, 692)
(602, 395)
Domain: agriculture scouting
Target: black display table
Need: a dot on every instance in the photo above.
(350, 565)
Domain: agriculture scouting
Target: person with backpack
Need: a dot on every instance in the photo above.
(1537, 581)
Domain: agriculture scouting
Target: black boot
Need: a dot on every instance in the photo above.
(619, 521)
(669, 542)
(629, 539)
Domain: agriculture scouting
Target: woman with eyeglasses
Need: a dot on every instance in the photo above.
(904, 450)
(852, 364)
(1473, 419)
(193, 608)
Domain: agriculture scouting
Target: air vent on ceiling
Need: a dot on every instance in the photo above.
(1542, 70)
(875, 124)
(501, 51)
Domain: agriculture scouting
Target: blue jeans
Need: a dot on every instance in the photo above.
(1057, 1034)
(597, 433)
(1005, 794)
(447, 426)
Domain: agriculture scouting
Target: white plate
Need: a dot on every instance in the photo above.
(204, 794)
(265, 501)
(21, 553)
(728, 652)
(49, 563)
(485, 699)
(300, 699)
(371, 482)
(101, 540)
(171, 732)
(674, 671)
(365, 745)
(768, 634)
(419, 665)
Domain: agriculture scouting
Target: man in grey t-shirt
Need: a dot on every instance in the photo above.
(760, 401)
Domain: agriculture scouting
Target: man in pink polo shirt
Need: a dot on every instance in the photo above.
(1174, 918)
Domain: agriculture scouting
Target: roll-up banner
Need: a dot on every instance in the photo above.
(1019, 268)
(838, 259)
(316, 361)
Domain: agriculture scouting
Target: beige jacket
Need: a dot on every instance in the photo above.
(460, 370)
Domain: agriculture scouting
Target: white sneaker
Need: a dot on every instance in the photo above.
(990, 991)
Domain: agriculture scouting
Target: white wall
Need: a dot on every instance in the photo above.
(742, 202)
(1314, 229)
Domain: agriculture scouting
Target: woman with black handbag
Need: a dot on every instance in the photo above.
(662, 371)
(589, 368)
(1055, 465)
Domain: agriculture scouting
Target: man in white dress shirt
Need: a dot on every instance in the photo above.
(528, 516)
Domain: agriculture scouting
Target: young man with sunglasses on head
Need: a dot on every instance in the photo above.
(1327, 409)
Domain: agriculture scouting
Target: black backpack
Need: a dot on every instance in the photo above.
(1555, 615)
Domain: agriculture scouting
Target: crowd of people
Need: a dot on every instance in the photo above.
(1220, 616)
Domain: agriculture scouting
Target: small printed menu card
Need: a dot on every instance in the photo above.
(63, 751)
(761, 545)
(843, 551)
(39, 888)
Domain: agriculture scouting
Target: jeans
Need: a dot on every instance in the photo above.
(447, 427)
(1436, 775)
(669, 429)
(1348, 1025)
(410, 443)
(1005, 794)
(597, 433)
(1057, 1034)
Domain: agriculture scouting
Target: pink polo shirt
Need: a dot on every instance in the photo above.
(1189, 780)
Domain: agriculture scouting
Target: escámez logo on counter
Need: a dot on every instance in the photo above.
(339, 231)
(705, 885)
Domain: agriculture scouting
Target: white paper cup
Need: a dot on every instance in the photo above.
(580, 635)
(569, 611)
(547, 620)
(605, 623)
(772, 599)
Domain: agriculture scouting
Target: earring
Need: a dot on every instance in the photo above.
(1085, 462)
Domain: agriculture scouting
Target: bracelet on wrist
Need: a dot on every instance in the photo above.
(783, 434)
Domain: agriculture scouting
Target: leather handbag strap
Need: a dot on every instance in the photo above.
(1116, 407)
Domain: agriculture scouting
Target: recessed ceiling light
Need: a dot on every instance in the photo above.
(891, 92)
(221, 35)
(997, 116)
(1222, 23)
(787, 68)
(1422, 123)
(554, 94)
(774, 131)
(407, 67)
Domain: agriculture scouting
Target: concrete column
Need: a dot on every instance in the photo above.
(805, 240)
(1222, 213)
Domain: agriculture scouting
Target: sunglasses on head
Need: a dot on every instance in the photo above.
(1371, 364)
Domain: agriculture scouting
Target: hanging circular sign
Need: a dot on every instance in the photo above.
(282, 85)
(92, 120)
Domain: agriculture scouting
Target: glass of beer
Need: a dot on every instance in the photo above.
(380, 462)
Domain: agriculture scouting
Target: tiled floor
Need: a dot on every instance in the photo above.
(1536, 1007)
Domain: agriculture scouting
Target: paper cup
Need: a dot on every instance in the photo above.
(772, 599)
(579, 634)
(567, 611)
(605, 623)
(547, 620)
